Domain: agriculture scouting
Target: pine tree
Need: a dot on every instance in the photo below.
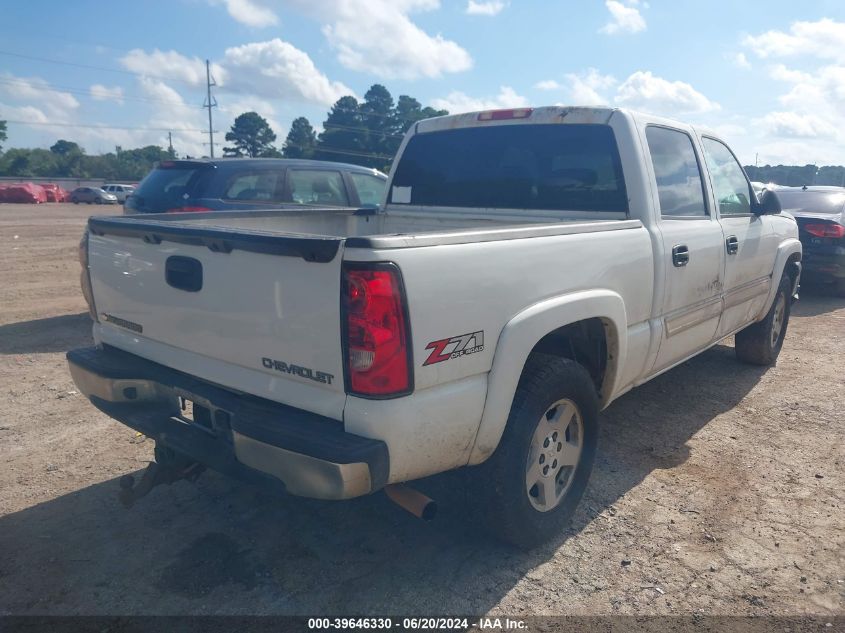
(251, 135)
(301, 140)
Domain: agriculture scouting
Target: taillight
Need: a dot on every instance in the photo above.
(376, 336)
(187, 210)
(825, 230)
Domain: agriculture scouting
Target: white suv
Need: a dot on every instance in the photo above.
(121, 191)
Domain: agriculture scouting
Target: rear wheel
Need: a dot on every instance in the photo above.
(528, 490)
(760, 343)
(75, 200)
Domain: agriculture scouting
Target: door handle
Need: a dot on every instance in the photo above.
(183, 273)
(732, 245)
(680, 255)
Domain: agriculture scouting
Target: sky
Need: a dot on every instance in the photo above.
(768, 76)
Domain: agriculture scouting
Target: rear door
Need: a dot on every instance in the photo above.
(750, 241)
(692, 245)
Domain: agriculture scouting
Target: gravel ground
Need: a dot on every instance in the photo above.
(719, 489)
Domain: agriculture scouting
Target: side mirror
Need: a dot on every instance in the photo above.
(769, 204)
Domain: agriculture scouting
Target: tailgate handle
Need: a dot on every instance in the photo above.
(184, 273)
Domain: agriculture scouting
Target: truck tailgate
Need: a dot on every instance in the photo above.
(257, 313)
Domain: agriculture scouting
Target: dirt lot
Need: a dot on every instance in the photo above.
(719, 489)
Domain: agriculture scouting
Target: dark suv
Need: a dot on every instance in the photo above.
(254, 183)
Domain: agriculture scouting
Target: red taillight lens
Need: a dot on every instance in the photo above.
(377, 347)
(825, 230)
(187, 210)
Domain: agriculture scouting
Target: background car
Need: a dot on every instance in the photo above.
(254, 183)
(820, 213)
(91, 195)
(121, 192)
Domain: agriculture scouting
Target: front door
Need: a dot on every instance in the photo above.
(750, 243)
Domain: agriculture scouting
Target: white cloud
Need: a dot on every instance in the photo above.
(278, 69)
(494, 7)
(171, 112)
(794, 125)
(813, 105)
(56, 103)
(457, 102)
(625, 18)
(824, 38)
(172, 65)
(644, 91)
(740, 61)
(23, 113)
(379, 37)
(548, 84)
(251, 13)
(99, 92)
(584, 87)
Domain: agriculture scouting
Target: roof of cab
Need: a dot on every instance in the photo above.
(274, 162)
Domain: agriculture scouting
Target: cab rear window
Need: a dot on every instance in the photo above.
(556, 167)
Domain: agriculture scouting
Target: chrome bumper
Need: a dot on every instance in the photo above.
(312, 456)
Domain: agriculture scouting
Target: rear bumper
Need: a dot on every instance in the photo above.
(829, 265)
(242, 435)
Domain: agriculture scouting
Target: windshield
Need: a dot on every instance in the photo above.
(555, 167)
(165, 188)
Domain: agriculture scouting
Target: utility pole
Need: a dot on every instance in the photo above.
(170, 142)
(210, 102)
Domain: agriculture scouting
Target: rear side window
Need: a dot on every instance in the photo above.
(676, 170)
(166, 188)
(263, 186)
(317, 187)
(546, 167)
(370, 189)
(733, 191)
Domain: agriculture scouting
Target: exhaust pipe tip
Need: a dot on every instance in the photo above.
(412, 501)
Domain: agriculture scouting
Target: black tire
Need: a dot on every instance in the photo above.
(757, 344)
(839, 288)
(498, 487)
(75, 200)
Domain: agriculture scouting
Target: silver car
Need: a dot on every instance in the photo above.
(120, 191)
(92, 195)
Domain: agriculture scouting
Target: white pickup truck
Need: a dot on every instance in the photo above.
(527, 268)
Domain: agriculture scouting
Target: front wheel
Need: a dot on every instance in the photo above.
(528, 490)
(760, 343)
(75, 200)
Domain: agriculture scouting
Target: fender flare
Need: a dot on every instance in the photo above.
(786, 250)
(519, 337)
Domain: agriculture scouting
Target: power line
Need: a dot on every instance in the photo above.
(47, 87)
(335, 126)
(101, 68)
(105, 127)
(333, 150)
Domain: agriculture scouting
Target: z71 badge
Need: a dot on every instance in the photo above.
(455, 347)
